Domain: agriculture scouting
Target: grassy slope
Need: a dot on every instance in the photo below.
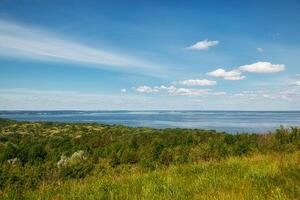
(143, 163)
(252, 177)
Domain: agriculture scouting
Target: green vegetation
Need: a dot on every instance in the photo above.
(47, 160)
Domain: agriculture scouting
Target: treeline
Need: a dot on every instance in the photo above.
(32, 152)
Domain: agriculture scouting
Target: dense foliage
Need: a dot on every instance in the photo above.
(35, 154)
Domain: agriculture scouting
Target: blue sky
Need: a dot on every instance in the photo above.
(143, 55)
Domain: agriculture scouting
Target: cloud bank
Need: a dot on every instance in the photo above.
(28, 99)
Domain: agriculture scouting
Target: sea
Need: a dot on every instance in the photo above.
(227, 121)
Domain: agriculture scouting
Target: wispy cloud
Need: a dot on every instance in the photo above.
(204, 45)
(288, 94)
(197, 82)
(29, 99)
(258, 67)
(146, 89)
(259, 49)
(184, 91)
(296, 83)
(29, 42)
(179, 91)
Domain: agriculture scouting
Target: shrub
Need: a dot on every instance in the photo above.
(240, 148)
(166, 157)
(129, 156)
(77, 157)
(37, 153)
(9, 152)
(75, 166)
(77, 170)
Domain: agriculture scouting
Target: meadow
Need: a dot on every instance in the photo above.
(49, 160)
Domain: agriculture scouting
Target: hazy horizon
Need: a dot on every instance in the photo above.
(78, 110)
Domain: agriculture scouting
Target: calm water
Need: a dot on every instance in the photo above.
(229, 121)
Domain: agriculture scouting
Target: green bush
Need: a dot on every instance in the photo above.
(166, 157)
(9, 151)
(77, 170)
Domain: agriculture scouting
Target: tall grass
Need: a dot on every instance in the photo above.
(257, 176)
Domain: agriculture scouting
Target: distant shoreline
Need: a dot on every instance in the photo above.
(222, 121)
(141, 127)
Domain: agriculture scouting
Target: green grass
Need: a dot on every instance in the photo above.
(252, 177)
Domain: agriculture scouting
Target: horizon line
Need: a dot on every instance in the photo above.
(147, 110)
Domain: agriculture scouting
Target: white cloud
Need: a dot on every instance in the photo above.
(289, 94)
(235, 78)
(123, 90)
(258, 67)
(186, 91)
(28, 99)
(204, 45)
(198, 82)
(190, 92)
(21, 41)
(228, 75)
(259, 49)
(25, 99)
(172, 90)
(262, 67)
(218, 93)
(146, 89)
(297, 83)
